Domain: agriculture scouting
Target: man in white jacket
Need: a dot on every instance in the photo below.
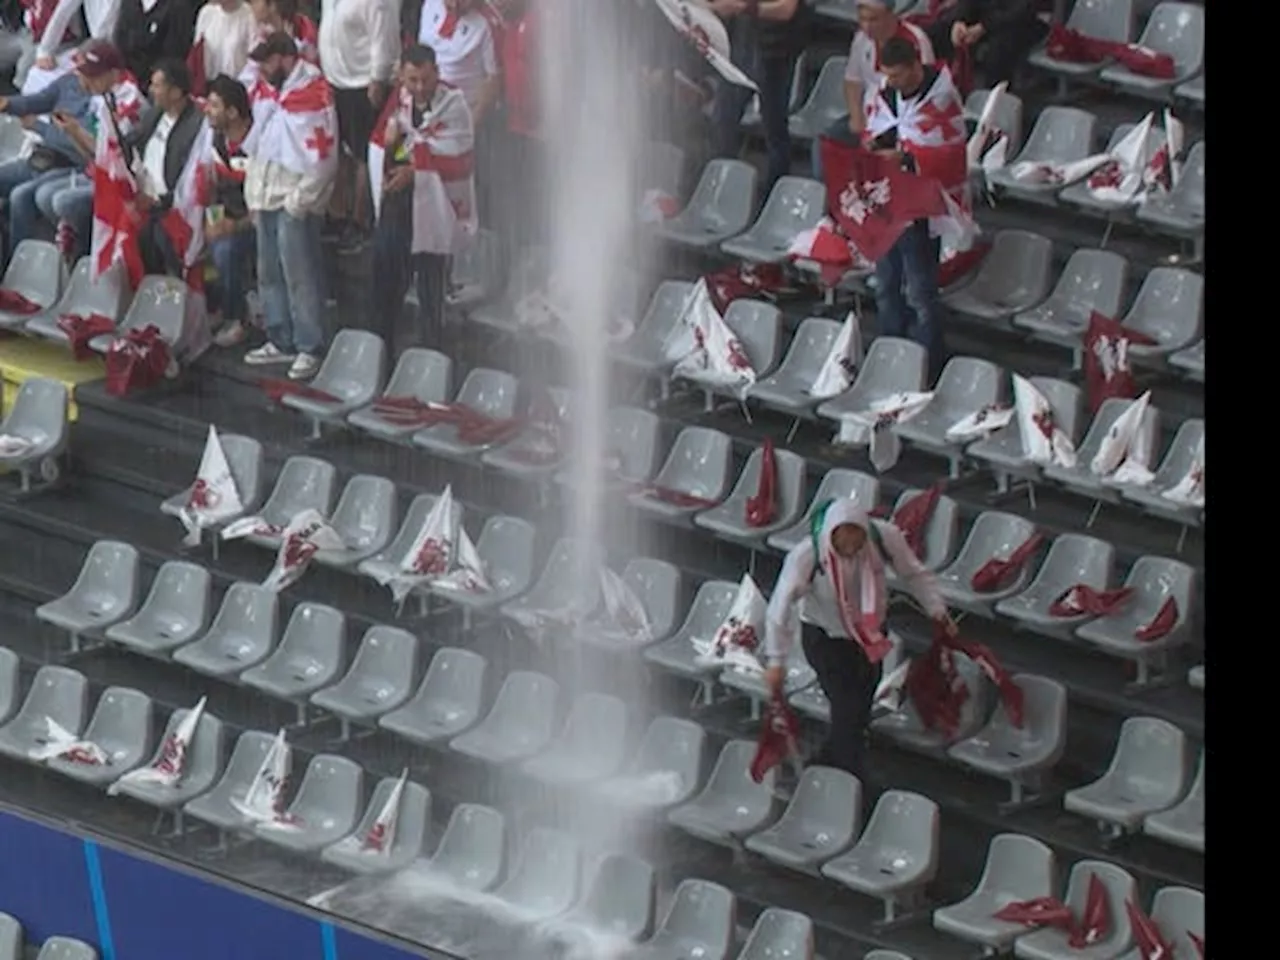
(833, 586)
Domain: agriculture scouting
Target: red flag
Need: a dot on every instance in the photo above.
(137, 360)
(1011, 695)
(1151, 942)
(1040, 912)
(763, 507)
(1197, 942)
(1083, 599)
(996, 573)
(913, 517)
(1072, 46)
(11, 301)
(734, 283)
(779, 738)
(1161, 625)
(80, 330)
(1144, 61)
(195, 66)
(1095, 925)
(277, 390)
(1107, 370)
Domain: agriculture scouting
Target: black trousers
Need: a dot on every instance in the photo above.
(849, 680)
(998, 55)
(394, 268)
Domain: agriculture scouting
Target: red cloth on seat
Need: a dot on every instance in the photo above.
(762, 508)
(11, 301)
(1083, 599)
(80, 330)
(997, 573)
(1161, 625)
(137, 360)
(277, 390)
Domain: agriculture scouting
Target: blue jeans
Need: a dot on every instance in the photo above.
(290, 280)
(24, 206)
(74, 205)
(773, 75)
(907, 301)
(231, 256)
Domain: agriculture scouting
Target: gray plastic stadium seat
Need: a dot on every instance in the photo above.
(474, 269)
(352, 370)
(1195, 677)
(10, 938)
(671, 748)
(244, 459)
(389, 558)
(1190, 361)
(966, 385)
(1051, 944)
(719, 208)
(121, 728)
(1176, 912)
(176, 610)
(619, 899)
(505, 547)
(1023, 755)
(1072, 559)
(698, 465)
(758, 326)
(308, 657)
(511, 458)
(836, 484)
(304, 483)
(662, 166)
(544, 882)
(38, 415)
(656, 584)
(845, 11)
(528, 275)
(1169, 309)
(1018, 868)
(825, 104)
(897, 854)
(242, 635)
(58, 693)
(364, 518)
(787, 388)
(447, 701)
(203, 764)
(421, 374)
(35, 271)
(1091, 280)
(1002, 451)
(1148, 773)
(820, 822)
(1006, 117)
(699, 925)
(644, 352)
(1173, 28)
(380, 678)
(1183, 824)
(892, 365)
(160, 302)
(1173, 467)
(567, 582)
(1154, 580)
(214, 807)
(905, 727)
(1060, 135)
(779, 935)
(631, 439)
(83, 297)
(105, 591)
(794, 204)
(591, 744)
(797, 676)
(1081, 479)
(1013, 277)
(729, 519)
(939, 535)
(66, 948)
(1079, 195)
(325, 808)
(8, 683)
(518, 725)
(1192, 89)
(488, 392)
(707, 611)
(751, 119)
(731, 806)
(1101, 19)
(412, 820)
(469, 853)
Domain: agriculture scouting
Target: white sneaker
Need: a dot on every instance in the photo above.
(304, 367)
(266, 354)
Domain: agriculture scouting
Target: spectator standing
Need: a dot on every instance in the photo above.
(292, 151)
(523, 157)
(229, 230)
(100, 17)
(998, 34)
(272, 15)
(359, 45)
(149, 31)
(225, 32)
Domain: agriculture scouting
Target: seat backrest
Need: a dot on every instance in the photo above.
(204, 756)
(633, 438)
(759, 327)
(10, 938)
(620, 897)
(547, 871)
(505, 546)
(994, 534)
(1105, 419)
(1155, 579)
(1178, 911)
(672, 744)
(244, 459)
(1006, 117)
(967, 384)
(414, 518)
(809, 347)
(892, 364)
(839, 483)
(248, 609)
(122, 716)
(1060, 134)
(662, 167)
(39, 411)
(8, 682)
(1018, 868)
(66, 948)
(1067, 402)
(160, 302)
(698, 462)
(315, 631)
(1178, 30)
(365, 511)
(704, 913)
(709, 608)
(1152, 752)
(58, 693)
(1094, 277)
(826, 99)
(412, 818)
(1168, 305)
(455, 677)
(423, 374)
(1074, 559)
(795, 204)
(353, 366)
(1018, 260)
(491, 392)
(388, 655)
(1181, 453)
(330, 790)
(665, 309)
(304, 483)
(525, 702)
(779, 933)
(827, 799)
(250, 750)
(789, 471)
(904, 824)
(656, 585)
(472, 843)
(35, 271)
(596, 726)
(1188, 192)
(725, 193)
(566, 578)
(1103, 19)
(112, 567)
(731, 776)
(1120, 887)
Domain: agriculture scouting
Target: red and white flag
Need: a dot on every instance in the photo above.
(214, 496)
(167, 769)
(1130, 438)
(1189, 490)
(1120, 180)
(840, 368)
(983, 421)
(828, 249)
(1043, 441)
(429, 556)
(625, 611)
(988, 148)
(1039, 173)
(737, 639)
(115, 223)
(440, 149)
(263, 803)
(382, 833)
(61, 742)
(1163, 169)
(305, 34)
(875, 426)
(297, 125)
(705, 349)
(700, 25)
(306, 535)
(468, 574)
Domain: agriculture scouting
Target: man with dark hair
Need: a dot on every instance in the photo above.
(228, 227)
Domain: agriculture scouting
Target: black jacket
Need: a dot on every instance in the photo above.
(166, 31)
(996, 15)
(176, 149)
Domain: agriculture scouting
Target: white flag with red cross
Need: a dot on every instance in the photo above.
(297, 125)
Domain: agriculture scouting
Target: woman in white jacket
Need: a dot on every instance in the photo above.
(833, 585)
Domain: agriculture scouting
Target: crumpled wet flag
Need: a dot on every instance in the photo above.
(430, 555)
(704, 348)
(1083, 600)
(1189, 491)
(1043, 440)
(1161, 625)
(263, 803)
(382, 833)
(624, 613)
(1150, 941)
(1128, 441)
(982, 422)
(306, 535)
(468, 574)
(136, 361)
(171, 764)
(874, 426)
(61, 742)
(840, 368)
(988, 148)
(81, 329)
(939, 693)
(214, 496)
(738, 639)
(999, 572)
(1072, 46)
(778, 740)
(762, 507)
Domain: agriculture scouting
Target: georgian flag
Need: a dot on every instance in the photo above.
(699, 24)
(305, 34)
(980, 423)
(1189, 491)
(168, 768)
(988, 148)
(297, 125)
(1043, 441)
(430, 555)
(626, 613)
(382, 834)
(1120, 179)
(1039, 173)
(468, 574)
(874, 426)
(840, 368)
(115, 226)
(829, 249)
(1130, 437)
(263, 803)
(740, 636)
(306, 535)
(705, 350)
(214, 496)
(930, 127)
(61, 742)
(1163, 169)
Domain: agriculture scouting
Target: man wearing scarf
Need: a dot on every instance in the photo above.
(834, 584)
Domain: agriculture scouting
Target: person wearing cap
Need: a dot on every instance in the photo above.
(100, 16)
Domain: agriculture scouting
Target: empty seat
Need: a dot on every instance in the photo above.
(719, 208)
(699, 924)
(1183, 824)
(244, 459)
(304, 483)
(35, 274)
(1072, 560)
(1168, 309)
(8, 683)
(1092, 280)
(825, 104)
(630, 445)
(526, 456)
(10, 938)
(1020, 755)
(1176, 29)
(819, 823)
(1193, 89)
(518, 725)
(645, 351)
(447, 702)
(1175, 465)
(1003, 451)
(965, 386)
(324, 810)
(201, 766)
(364, 518)
(105, 591)
(939, 535)
(413, 815)
(787, 388)
(528, 275)
(697, 467)
(380, 679)
(352, 373)
(420, 374)
(656, 584)
(1147, 774)
(83, 297)
(897, 854)
(1079, 195)
(160, 302)
(1049, 943)
(1190, 361)
(1081, 479)
(308, 657)
(175, 612)
(38, 417)
(795, 204)
(1018, 868)
(1107, 20)
(836, 484)
(1061, 135)
(729, 519)
(778, 934)
(1013, 277)
(121, 728)
(665, 769)
(591, 745)
(567, 584)
(994, 535)
(892, 365)
(242, 635)
(732, 805)
(66, 948)
(490, 393)
(505, 547)
(1006, 117)
(707, 611)
(215, 807)
(544, 882)
(474, 270)
(619, 899)
(59, 694)
(469, 854)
